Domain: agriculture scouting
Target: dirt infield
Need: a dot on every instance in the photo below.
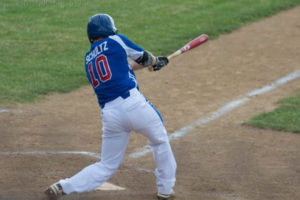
(221, 160)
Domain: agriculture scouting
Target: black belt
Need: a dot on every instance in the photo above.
(124, 96)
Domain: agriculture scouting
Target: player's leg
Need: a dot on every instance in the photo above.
(114, 143)
(165, 162)
(147, 121)
(91, 177)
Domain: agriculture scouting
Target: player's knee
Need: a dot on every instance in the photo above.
(163, 139)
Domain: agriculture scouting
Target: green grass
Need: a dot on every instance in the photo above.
(284, 118)
(43, 42)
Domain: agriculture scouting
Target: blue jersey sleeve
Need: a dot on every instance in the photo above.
(132, 50)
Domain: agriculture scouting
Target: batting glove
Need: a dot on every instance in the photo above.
(161, 61)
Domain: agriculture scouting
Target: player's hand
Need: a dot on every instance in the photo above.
(161, 61)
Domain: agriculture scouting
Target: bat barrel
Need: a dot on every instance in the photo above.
(195, 42)
(192, 44)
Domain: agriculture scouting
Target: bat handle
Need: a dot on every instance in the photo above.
(176, 53)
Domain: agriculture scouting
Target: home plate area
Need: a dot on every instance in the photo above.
(109, 187)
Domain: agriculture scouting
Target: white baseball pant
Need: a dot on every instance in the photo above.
(121, 116)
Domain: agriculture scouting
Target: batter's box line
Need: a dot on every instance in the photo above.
(86, 153)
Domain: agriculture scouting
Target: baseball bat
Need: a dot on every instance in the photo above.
(190, 45)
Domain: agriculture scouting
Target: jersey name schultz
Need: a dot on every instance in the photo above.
(107, 67)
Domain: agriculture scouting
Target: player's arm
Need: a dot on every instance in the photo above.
(147, 60)
(135, 66)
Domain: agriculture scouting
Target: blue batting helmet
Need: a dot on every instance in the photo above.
(100, 25)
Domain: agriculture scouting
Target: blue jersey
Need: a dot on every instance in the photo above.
(107, 67)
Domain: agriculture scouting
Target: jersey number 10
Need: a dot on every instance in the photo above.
(104, 73)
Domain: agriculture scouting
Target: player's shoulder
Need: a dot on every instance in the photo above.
(119, 37)
(121, 40)
(125, 43)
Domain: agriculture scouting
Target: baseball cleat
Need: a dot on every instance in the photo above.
(54, 191)
(165, 196)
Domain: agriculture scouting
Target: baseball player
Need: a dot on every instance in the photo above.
(124, 109)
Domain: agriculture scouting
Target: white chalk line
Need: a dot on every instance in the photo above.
(10, 110)
(221, 111)
(91, 154)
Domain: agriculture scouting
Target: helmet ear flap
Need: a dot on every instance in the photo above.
(91, 40)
